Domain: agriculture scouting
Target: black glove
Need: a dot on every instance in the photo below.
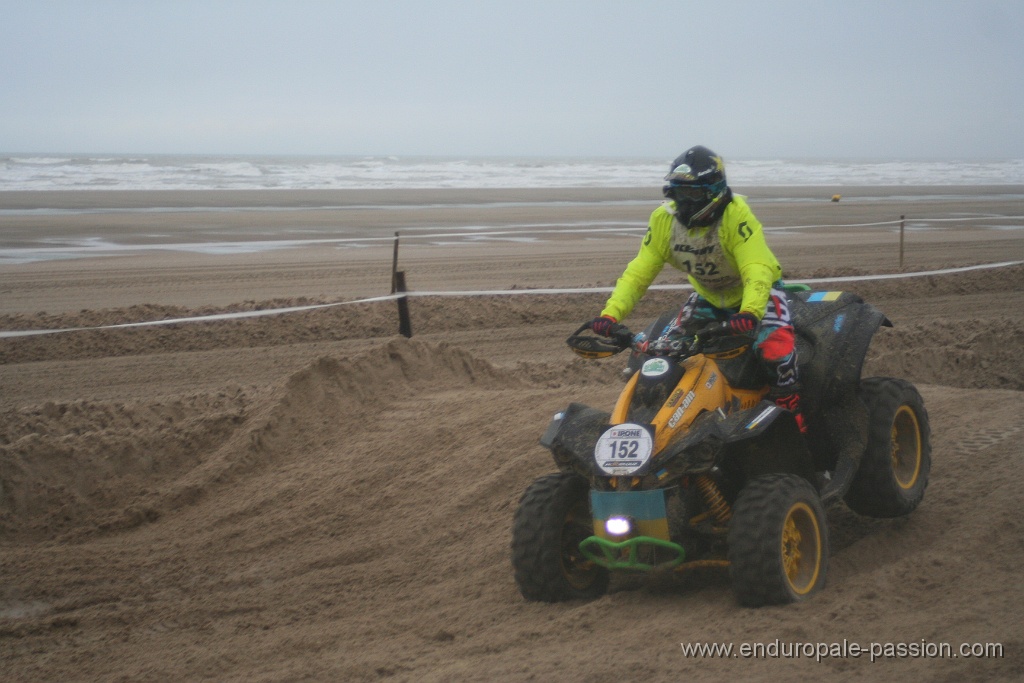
(606, 326)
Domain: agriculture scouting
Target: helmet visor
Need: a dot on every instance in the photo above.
(686, 193)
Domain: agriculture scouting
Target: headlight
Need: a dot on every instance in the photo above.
(618, 526)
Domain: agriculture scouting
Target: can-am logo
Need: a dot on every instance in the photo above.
(676, 416)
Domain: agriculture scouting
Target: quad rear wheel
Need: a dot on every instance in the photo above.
(553, 517)
(893, 471)
(778, 541)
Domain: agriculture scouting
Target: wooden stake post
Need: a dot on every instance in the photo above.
(394, 266)
(404, 323)
(398, 286)
(902, 222)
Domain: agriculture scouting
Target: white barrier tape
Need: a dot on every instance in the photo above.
(492, 292)
(805, 281)
(908, 220)
(201, 318)
(965, 218)
(920, 273)
(841, 225)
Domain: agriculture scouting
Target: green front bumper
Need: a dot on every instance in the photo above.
(646, 509)
(626, 554)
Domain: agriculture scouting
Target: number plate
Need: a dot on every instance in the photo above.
(624, 449)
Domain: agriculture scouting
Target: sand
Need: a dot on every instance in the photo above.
(312, 497)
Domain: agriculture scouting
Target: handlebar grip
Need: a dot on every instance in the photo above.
(719, 329)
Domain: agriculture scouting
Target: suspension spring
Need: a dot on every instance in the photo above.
(714, 499)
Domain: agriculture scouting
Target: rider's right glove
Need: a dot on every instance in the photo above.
(606, 326)
(742, 323)
(737, 323)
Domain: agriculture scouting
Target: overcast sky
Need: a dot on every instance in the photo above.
(889, 79)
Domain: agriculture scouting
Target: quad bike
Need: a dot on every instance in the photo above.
(694, 467)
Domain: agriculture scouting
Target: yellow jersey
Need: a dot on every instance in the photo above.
(728, 263)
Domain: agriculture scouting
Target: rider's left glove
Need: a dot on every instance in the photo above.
(606, 326)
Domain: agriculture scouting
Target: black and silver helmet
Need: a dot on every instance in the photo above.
(696, 183)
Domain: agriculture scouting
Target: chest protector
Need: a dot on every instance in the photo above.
(699, 254)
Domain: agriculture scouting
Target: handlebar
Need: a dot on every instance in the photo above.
(593, 346)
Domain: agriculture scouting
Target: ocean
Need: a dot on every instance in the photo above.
(49, 172)
(80, 231)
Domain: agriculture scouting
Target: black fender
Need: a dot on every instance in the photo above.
(759, 440)
(843, 428)
(571, 436)
(833, 333)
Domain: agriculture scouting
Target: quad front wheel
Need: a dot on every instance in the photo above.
(552, 519)
(778, 541)
(893, 471)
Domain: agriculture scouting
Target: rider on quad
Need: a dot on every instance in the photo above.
(710, 234)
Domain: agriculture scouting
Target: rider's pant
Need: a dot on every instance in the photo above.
(775, 344)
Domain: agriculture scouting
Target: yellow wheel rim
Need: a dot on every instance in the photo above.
(801, 548)
(906, 447)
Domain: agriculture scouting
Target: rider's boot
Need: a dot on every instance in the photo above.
(789, 399)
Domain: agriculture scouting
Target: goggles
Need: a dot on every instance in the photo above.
(686, 192)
